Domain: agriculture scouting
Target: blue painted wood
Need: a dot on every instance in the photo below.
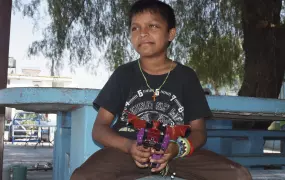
(65, 120)
(256, 145)
(64, 96)
(61, 153)
(242, 133)
(64, 157)
(246, 104)
(47, 95)
(283, 147)
(252, 145)
(238, 141)
(47, 100)
(57, 148)
(82, 144)
(218, 124)
(219, 145)
(258, 160)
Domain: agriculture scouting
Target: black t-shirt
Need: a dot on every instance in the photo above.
(181, 98)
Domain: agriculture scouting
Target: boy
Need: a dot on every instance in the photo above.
(153, 88)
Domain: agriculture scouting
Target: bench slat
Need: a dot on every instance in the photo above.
(227, 133)
(246, 104)
(258, 160)
(240, 116)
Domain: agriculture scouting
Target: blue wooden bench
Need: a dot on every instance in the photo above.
(76, 115)
(245, 147)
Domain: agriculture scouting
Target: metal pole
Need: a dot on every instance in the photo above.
(5, 23)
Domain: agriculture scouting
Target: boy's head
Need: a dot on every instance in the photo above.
(156, 7)
(152, 26)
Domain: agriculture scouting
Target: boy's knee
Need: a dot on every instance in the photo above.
(242, 173)
(77, 175)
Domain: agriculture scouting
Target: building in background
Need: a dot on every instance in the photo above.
(31, 77)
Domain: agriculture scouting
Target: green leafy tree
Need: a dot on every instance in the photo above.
(214, 66)
(210, 36)
(211, 30)
(79, 27)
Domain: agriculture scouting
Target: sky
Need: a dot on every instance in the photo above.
(22, 35)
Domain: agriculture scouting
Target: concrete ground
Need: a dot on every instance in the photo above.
(27, 155)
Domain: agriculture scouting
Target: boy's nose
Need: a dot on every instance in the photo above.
(144, 32)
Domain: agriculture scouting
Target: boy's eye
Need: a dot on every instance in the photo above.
(153, 26)
(134, 28)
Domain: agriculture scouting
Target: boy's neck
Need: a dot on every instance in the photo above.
(156, 65)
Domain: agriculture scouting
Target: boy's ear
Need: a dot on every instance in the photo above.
(172, 34)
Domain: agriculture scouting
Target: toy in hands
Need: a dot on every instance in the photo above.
(156, 135)
(152, 139)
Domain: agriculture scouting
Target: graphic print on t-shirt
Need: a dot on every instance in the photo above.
(166, 108)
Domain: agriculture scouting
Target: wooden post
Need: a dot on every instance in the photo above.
(5, 23)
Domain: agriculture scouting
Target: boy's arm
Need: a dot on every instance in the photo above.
(103, 134)
(198, 134)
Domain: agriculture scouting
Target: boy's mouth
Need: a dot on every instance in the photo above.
(145, 43)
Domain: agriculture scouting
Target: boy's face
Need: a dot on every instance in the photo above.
(149, 34)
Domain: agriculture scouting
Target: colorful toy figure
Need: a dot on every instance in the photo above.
(155, 134)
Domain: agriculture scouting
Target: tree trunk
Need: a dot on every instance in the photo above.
(52, 68)
(264, 46)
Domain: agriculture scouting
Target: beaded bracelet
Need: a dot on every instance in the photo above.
(185, 147)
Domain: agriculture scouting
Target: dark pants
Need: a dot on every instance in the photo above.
(110, 164)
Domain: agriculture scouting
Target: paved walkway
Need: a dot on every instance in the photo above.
(27, 155)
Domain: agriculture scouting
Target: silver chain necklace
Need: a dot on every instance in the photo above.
(156, 91)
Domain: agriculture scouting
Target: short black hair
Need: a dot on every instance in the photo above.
(154, 6)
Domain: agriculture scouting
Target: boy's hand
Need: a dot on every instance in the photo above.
(140, 154)
(168, 155)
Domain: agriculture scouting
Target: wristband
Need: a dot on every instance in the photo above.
(185, 146)
(191, 148)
